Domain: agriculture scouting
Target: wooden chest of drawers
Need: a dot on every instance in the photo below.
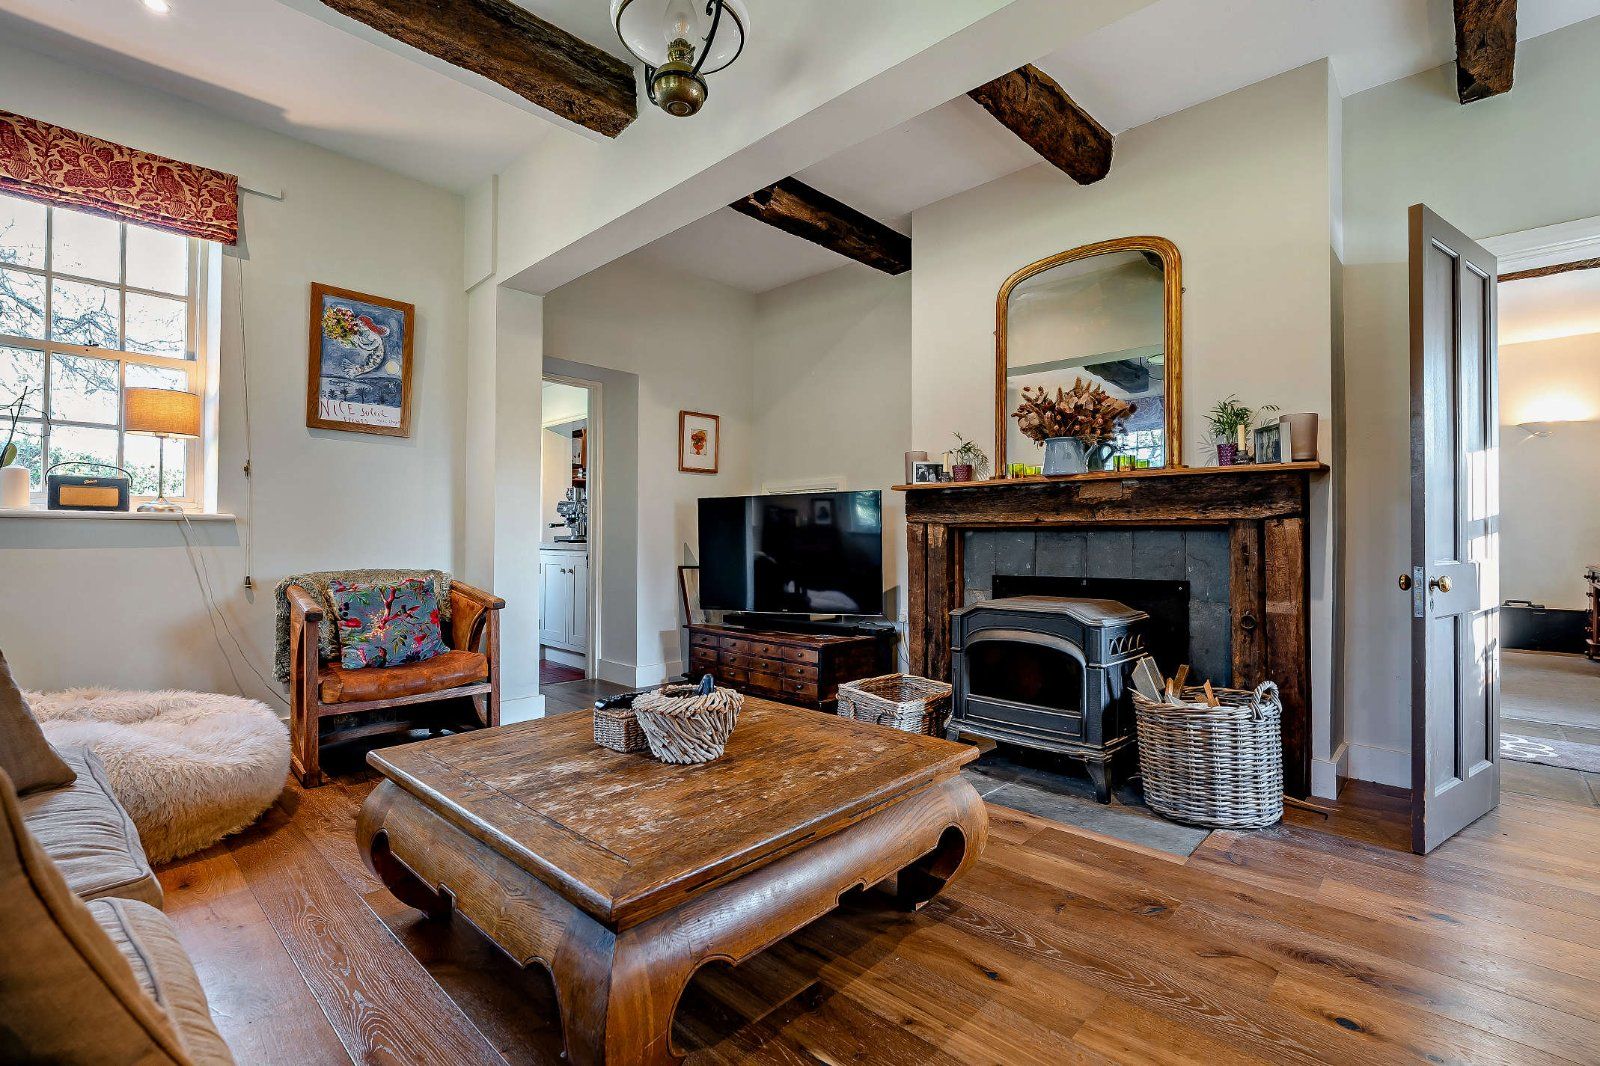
(804, 669)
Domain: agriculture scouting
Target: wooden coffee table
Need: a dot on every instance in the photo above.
(623, 875)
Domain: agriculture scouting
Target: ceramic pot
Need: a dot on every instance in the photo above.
(1227, 454)
(1299, 436)
(15, 485)
(1065, 455)
(962, 472)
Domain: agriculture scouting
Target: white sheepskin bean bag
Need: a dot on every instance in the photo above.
(190, 767)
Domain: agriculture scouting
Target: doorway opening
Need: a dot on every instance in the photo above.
(1549, 339)
(570, 486)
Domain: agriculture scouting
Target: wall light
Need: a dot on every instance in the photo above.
(160, 7)
(1538, 429)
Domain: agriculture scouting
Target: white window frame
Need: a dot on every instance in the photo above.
(196, 362)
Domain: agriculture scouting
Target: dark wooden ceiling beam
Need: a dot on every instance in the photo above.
(797, 208)
(1486, 48)
(1030, 103)
(510, 46)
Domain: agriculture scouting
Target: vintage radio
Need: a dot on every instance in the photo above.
(77, 492)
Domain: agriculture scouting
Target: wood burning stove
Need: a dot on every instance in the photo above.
(1049, 672)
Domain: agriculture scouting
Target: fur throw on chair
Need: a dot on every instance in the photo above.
(190, 767)
(316, 583)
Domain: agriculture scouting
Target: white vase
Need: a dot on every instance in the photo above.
(15, 485)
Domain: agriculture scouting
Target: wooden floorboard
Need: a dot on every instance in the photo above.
(1320, 940)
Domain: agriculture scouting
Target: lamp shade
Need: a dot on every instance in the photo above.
(163, 412)
(649, 27)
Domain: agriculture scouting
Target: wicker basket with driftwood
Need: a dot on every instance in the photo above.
(684, 725)
(900, 701)
(1213, 765)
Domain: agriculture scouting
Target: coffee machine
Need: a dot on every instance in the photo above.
(574, 512)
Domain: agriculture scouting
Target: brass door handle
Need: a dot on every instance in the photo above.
(1440, 583)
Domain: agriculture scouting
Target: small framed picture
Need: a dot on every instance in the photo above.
(359, 379)
(1268, 444)
(689, 592)
(927, 473)
(822, 511)
(699, 442)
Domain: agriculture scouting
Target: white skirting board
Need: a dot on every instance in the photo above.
(634, 676)
(1327, 773)
(1386, 766)
(523, 709)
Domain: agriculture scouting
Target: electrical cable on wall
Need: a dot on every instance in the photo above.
(197, 563)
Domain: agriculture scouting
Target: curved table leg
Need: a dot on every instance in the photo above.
(373, 842)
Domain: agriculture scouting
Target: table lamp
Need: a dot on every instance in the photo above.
(162, 413)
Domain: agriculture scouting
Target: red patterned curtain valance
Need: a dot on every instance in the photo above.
(59, 166)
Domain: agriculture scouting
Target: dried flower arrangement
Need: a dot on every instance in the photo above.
(1086, 412)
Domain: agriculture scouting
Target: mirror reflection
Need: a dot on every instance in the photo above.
(1085, 325)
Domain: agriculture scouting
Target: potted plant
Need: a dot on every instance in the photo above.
(14, 480)
(968, 462)
(1230, 423)
(1076, 425)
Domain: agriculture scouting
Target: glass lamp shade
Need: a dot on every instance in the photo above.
(649, 27)
(163, 412)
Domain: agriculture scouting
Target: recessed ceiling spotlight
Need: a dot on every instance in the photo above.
(160, 7)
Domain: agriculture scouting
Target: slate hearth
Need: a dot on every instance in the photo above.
(1196, 556)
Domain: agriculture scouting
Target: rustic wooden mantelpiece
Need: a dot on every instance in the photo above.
(799, 668)
(1262, 507)
(623, 875)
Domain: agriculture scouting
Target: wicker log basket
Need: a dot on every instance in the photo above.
(899, 701)
(1220, 767)
(682, 726)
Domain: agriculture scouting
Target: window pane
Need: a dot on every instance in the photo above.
(21, 369)
(81, 313)
(86, 245)
(156, 325)
(21, 232)
(139, 452)
(78, 444)
(21, 304)
(139, 376)
(84, 389)
(157, 260)
(30, 452)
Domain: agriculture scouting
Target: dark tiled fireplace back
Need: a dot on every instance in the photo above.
(1198, 556)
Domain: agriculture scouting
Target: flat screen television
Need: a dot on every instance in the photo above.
(807, 553)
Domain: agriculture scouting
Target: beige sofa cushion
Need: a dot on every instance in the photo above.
(89, 836)
(147, 940)
(25, 755)
(69, 994)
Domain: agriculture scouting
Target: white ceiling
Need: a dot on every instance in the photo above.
(1544, 308)
(268, 63)
(1162, 59)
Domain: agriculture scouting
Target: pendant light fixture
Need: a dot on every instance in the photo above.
(680, 42)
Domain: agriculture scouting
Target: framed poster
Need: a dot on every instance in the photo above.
(359, 378)
(699, 442)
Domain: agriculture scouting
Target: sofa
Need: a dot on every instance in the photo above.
(92, 971)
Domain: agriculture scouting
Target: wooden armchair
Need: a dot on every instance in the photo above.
(463, 682)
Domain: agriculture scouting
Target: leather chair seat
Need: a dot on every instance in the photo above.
(449, 669)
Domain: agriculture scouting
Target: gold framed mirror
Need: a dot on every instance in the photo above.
(1110, 313)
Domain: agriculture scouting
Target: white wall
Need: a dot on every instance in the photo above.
(1245, 187)
(101, 602)
(554, 480)
(1549, 517)
(832, 393)
(689, 343)
(1501, 165)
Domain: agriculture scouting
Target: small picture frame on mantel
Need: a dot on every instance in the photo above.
(699, 442)
(1268, 442)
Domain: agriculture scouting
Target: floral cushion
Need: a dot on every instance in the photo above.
(386, 624)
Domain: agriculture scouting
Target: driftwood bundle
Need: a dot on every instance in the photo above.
(1087, 412)
(684, 726)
